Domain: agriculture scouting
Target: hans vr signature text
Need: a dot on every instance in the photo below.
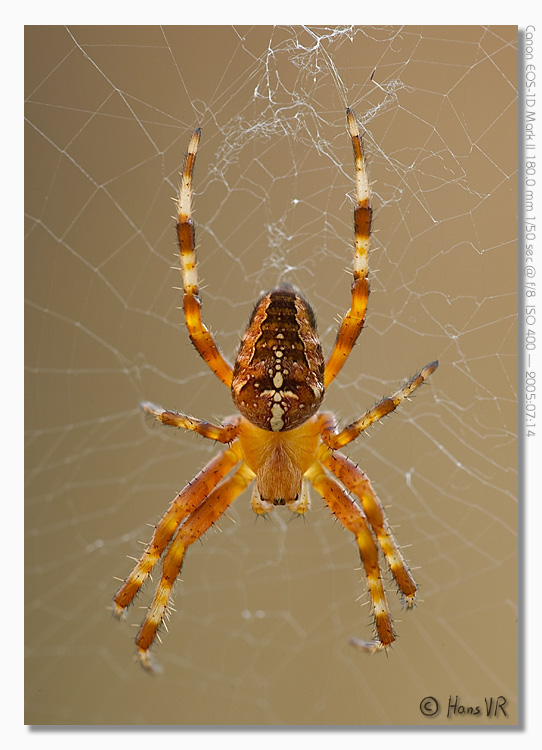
(491, 708)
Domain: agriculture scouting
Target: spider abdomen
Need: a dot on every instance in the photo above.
(278, 378)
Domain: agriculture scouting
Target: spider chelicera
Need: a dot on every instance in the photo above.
(279, 438)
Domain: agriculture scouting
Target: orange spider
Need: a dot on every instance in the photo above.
(279, 438)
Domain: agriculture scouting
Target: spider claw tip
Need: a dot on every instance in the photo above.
(146, 661)
(118, 611)
(367, 647)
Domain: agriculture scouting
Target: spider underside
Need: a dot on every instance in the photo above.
(279, 439)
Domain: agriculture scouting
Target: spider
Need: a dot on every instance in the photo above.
(278, 438)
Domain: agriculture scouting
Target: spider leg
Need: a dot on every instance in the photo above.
(224, 433)
(357, 482)
(352, 322)
(336, 440)
(199, 334)
(352, 518)
(184, 503)
(192, 529)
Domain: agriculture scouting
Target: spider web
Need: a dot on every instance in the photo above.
(265, 610)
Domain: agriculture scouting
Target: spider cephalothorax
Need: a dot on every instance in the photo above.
(279, 438)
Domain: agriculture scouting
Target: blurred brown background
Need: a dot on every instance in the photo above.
(265, 610)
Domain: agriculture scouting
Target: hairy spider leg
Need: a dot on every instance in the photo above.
(182, 506)
(199, 334)
(357, 482)
(224, 433)
(352, 518)
(352, 322)
(190, 531)
(335, 439)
